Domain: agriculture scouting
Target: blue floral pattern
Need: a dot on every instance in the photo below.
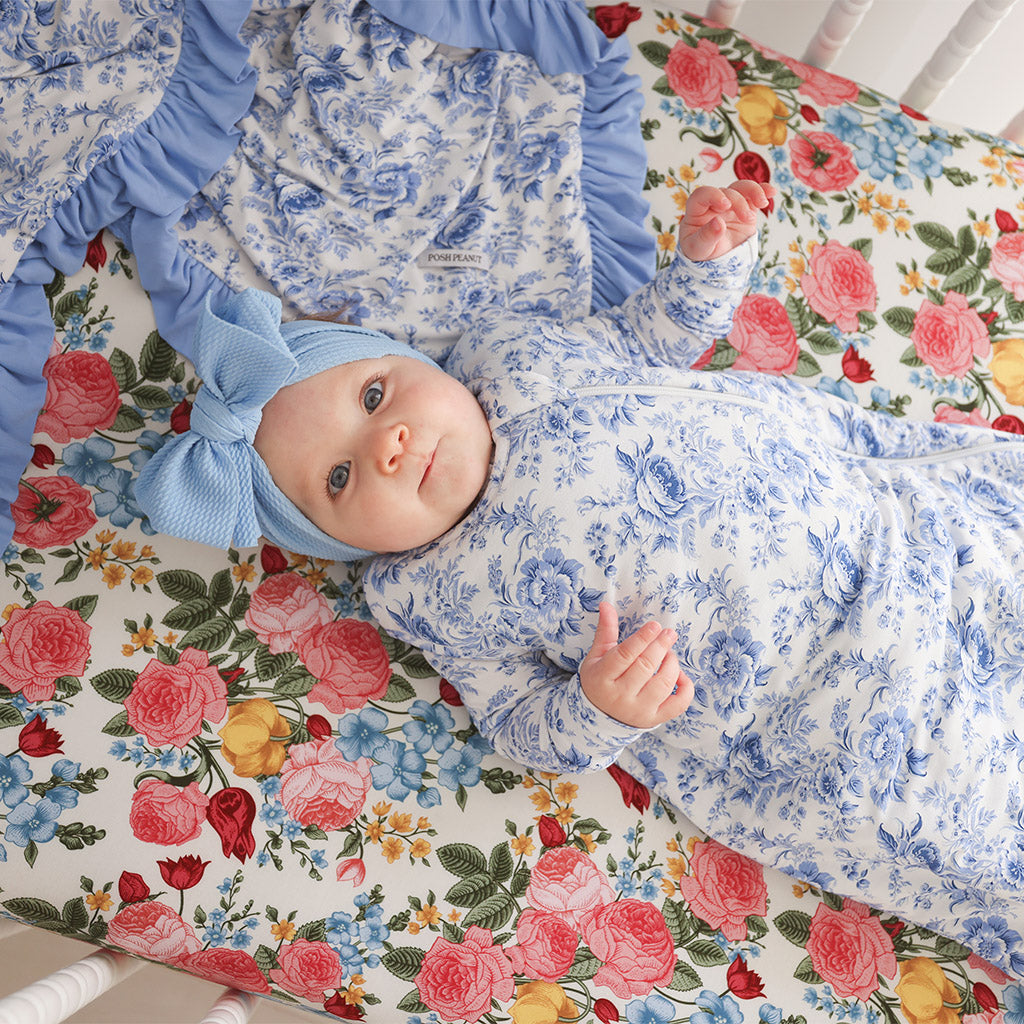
(838, 580)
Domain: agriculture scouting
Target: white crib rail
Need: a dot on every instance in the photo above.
(56, 997)
(976, 24)
(834, 32)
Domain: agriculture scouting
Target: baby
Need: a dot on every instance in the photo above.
(841, 587)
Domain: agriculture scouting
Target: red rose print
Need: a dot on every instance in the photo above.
(96, 253)
(985, 996)
(449, 694)
(634, 794)
(725, 888)
(606, 1011)
(809, 114)
(169, 703)
(81, 396)
(51, 511)
(839, 284)
(352, 870)
(763, 336)
(338, 1007)
(318, 726)
(37, 739)
(231, 813)
(547, 945)
(42, 456)
(166, 814)
(822, 161)
(567, 882)
(272, 559)
(41, 644)
(700, 74)
(849, 948)
(181, 417)
(308, 969)
(153, 930)
(751, 167)
(822, 86)
(1007, 263)
(856, 368)
(459, 979)
(232, 967)
(633, 943)
(183, 873)
(950, 336)
(550, 832)
(1011, 424)
(911, 112)
(1006, 221)
(132, 887)
(742, 981)
(349, 660)
(613, 19)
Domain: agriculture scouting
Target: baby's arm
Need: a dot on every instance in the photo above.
(674, 318)
(638, 681)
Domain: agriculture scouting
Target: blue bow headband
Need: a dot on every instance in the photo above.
(209, 484)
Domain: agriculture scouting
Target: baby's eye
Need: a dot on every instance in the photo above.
(338, 478)
(373, 396)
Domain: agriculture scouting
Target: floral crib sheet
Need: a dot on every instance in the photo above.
(218, 762)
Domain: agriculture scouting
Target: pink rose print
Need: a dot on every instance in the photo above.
(284, 608)
(822, 86)
(153, 930)
(951, 414)
(166, 814)
(169, 703)
(948, 337)
(822, 161)
(81, 396)
(231, 967)
(839, 284)
(350, 662)
(1007, 263)
(459, 979)
(633, 943)
(763, 336)
(566, 882)
(725, 888)
(849, 948)
(41, 644)
(308, 969)
(50, 511)
(319, 787)
(700, 74)
(547, 945)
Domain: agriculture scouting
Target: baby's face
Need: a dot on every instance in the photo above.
(383, 454)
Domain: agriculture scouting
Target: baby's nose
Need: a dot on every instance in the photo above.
(391, 446)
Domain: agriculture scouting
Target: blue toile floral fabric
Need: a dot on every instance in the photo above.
(844, 585)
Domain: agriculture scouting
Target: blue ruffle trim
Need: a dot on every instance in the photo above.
(175, 151)
(560, 37)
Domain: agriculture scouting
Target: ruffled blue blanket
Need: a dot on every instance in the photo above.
(169, 123)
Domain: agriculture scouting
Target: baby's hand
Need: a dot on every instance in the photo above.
(637, 681)
(717, 220)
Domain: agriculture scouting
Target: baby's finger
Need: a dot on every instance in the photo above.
(678, 700)
(756, 193)
(647, 662)
(740, 208)
(704, 200)
(606, 636)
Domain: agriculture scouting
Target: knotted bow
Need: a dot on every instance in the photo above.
(209, 484)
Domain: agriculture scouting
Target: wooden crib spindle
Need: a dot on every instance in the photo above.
(723, 11)
(976, 24)
(834, 32)
(233, 1007)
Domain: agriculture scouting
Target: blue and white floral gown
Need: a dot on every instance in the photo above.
(846, 588)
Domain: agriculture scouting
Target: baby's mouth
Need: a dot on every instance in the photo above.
(427, 468)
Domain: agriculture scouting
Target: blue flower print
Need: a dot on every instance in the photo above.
(658, 488)
(528, 159)
(716, 1009)
(381, 188)
(398, 771)
(840, 573)
(149, 442)
(459, 767)
(655, 1009)
(884, 747)
(32, 823)
(550, 587)
(993, 939)
(88, 462)
(467, 221)
(297, 197)
(116, 499)
(732, 664)
(361, 734)
(431, 726)
(14, 773)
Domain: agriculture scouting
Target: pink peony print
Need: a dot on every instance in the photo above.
(547, 945)
(566, 882)
(41, 644)
(1007, 263)
(458, 980)
(153, 930)
(839, 284)
(81, 396)
(165, 814)
(701, 74)
(50, 511)
(350, 663)
(763, 336)
(950, 336)
(319, 787)
(232, 967)
(849, 948)
(308, 969)
(725, 888)
(283, 609)
(822, 161)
